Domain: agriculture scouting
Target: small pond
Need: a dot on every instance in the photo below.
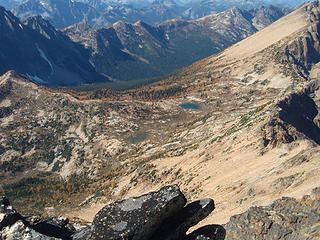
(190, 106)
(138, 138)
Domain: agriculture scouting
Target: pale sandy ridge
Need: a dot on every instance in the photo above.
(278, 30)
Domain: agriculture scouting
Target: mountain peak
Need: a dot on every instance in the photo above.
(81, 26)
(167, 3)
(235, 10)
(120, 24)
(41, 25)
(11, 74)
(8, 20)
(141, 24)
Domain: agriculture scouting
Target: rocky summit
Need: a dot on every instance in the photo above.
(162, 215)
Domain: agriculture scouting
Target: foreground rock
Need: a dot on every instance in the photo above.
(14, 226)
(177, 226)
(58, 227)
(19, 231)
(156, 215)
(8, 215)
(284, 219)
(137, 218)
(162, 215)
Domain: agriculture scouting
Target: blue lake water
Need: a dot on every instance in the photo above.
(190, 106)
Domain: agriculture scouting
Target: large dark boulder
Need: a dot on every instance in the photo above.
(209, 232)
(176, 226)
(136, 218)
(58, 227)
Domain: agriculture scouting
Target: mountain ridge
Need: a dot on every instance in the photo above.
(105, 13)
(43, 53)
(123, 51)
(157, 50)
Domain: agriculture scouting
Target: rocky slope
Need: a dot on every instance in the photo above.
(52, 134)
(285, 218)
(238, 127)
(44, 54)
(162, 215)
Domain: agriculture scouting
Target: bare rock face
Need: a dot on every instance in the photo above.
(277, 131)
(14, 226)
(19, 231)
(304, 52)
(284, 219)
(8, 215)
(296, 117)
(58, 227)
(137, 218)
(300, 110)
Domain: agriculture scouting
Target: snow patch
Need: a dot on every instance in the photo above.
(43, 55)
(44, 4)
(36, 79)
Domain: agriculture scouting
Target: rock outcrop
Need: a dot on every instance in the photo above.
(296, 117)
(177, 226)
(8, 215)
(156, 215)
(285, 218)
(19, 231)
(58, 227)
(137, 218)
(304, 52)
(161, 215)
(16, 226)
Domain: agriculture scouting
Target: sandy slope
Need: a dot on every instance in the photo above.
(280, 29)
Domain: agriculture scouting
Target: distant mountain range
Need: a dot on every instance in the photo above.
(44, 54)
(135, 51)
(124, 51)
(102, 13)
